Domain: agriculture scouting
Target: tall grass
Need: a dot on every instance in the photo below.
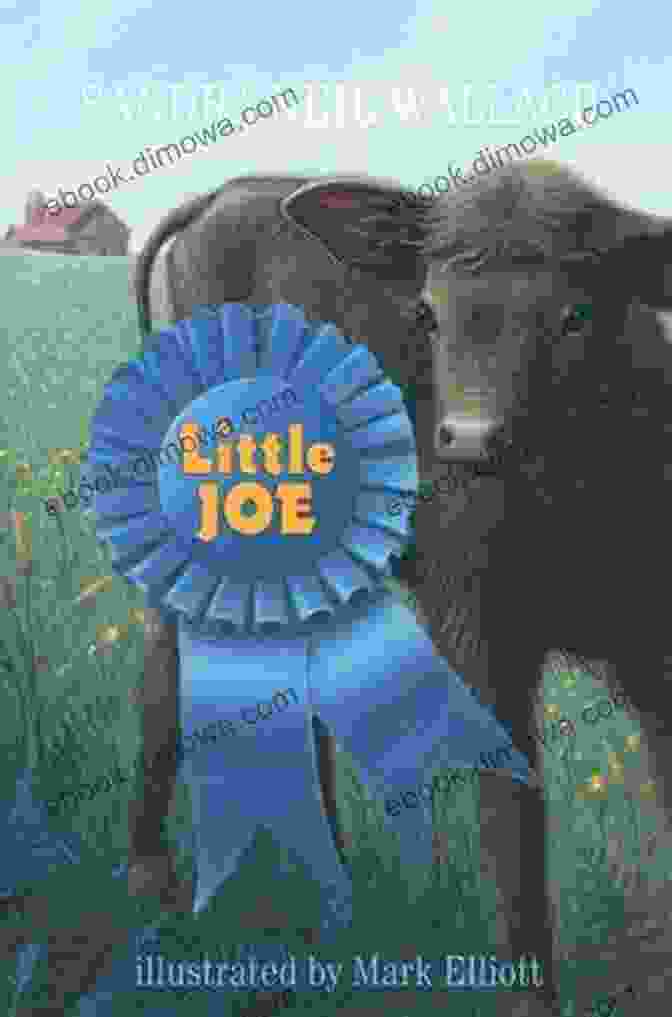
(70, 659)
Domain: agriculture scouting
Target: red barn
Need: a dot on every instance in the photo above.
(90, 228)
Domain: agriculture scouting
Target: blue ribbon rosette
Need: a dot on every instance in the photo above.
(260, 522)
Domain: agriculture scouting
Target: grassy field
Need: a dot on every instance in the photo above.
(69, 668)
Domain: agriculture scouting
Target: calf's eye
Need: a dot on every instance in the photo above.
(574, 318)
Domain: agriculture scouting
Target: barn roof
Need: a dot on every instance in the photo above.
(48, 228)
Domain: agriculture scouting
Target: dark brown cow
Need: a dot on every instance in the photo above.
(557, 538)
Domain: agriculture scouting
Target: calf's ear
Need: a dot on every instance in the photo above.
(364, 224)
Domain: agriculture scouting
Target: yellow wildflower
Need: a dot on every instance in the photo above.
(597, 781)
(594, 789)
(90, 588)
(63, 457)
(109, 634)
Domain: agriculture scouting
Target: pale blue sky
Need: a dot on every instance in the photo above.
(76, 76)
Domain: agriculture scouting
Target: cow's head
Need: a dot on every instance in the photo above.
(347, 251)
(553, 413)
(539, 285)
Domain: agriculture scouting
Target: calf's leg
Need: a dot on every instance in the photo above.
(513, 816)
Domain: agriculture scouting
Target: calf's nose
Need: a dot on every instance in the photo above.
(464, 437)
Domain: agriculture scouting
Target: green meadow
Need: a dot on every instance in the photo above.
(69, 668)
